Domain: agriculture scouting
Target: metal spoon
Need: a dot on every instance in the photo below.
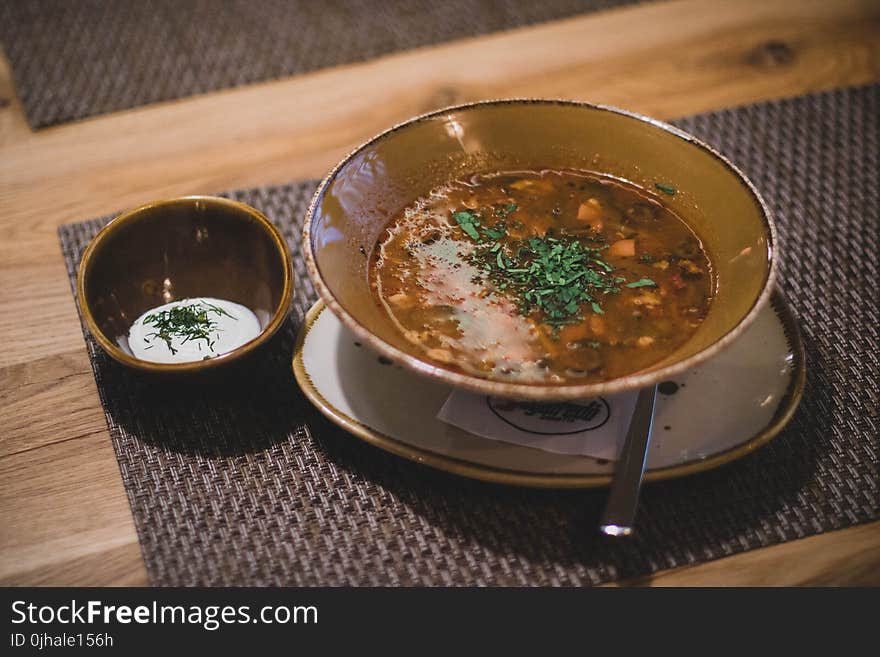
(623, 500)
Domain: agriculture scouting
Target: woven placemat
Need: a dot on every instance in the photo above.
(71, 60)
(247, 484)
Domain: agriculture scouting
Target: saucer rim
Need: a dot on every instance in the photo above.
(783, 415)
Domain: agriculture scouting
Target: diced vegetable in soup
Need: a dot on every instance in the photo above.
(542, 277)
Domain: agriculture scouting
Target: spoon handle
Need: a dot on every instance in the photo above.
(623, 500)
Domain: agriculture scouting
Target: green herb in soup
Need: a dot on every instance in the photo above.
(543, 277)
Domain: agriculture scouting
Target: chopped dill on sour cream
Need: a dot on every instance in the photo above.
(191, 329)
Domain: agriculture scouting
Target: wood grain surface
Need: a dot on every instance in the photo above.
(64, 516)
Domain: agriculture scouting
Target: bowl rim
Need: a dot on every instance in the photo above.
(135, 214)
(545, 392)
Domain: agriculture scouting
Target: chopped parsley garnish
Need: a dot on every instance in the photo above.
(555, 276)
(190, 322)
(647, 258)
(666, 189)
(558, 276)
(469, 223)
(506, 210)
(642, 282)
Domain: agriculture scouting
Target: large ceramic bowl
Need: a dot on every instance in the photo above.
(194, 246)
(362, 194)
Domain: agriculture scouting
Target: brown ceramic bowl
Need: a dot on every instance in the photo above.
(355, 202)
(195, 246)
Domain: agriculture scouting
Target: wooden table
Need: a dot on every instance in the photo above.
(64, 516)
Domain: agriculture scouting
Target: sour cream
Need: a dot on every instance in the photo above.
(191, 329)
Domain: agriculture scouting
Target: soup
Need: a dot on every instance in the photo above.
(543, 277)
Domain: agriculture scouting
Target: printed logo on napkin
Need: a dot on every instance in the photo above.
(556, 419)
(590, 427)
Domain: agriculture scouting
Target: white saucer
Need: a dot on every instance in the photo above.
(720, 410)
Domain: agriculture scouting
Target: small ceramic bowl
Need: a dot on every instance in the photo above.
(194, 246)
(369, 187)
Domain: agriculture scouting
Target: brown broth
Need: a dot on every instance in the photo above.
(442, 288)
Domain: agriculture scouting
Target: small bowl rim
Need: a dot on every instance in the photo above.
(545, 392)
(135, 214)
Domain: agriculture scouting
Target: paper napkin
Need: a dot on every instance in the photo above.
(590, 427)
